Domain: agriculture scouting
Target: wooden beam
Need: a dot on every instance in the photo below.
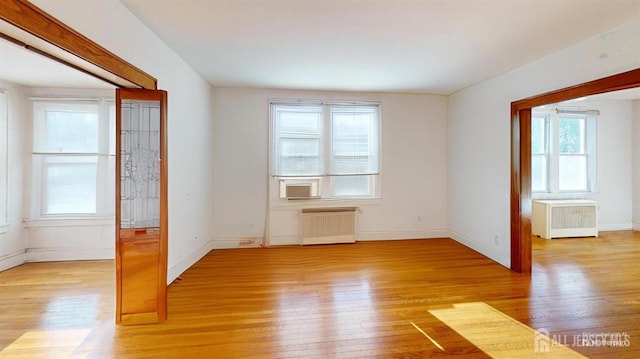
(33, 20)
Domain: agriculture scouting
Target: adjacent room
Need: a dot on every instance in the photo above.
(331, 179)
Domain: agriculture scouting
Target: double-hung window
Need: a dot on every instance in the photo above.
(333, 148)
(563, 147)
(73, 158)
(4, 150)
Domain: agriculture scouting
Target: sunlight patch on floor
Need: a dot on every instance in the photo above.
(499, 335)
(47, 344)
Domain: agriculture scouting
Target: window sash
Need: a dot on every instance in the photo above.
(4, 159)
(69, 185)
(349, 136)
(570, 150)
(75, 181)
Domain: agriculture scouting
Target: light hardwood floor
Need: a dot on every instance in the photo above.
(392, 299)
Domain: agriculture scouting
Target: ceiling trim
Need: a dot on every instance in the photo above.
(87, 54)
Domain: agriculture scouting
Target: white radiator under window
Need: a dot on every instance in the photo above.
(328, 225)
(564, 218)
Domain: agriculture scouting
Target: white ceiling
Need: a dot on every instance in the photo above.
(429, 46)
(27, 68)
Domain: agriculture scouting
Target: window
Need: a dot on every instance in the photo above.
(563, 151)
(332, 148)
(73, 158)
(4, 149)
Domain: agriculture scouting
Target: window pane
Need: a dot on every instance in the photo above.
(355, 186)
(298, 140)
(573, 173)
(572, 135)
(299, 156)
(70, 186)
(539, 173)
(4, 150)
(71, 132)
(301, 122)
(354, 141)
(112, 129)
(538, 135)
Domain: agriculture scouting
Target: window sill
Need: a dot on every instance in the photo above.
(284, 204)
(563, 195)
(70, 221)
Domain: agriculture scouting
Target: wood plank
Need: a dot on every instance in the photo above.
(369, 299)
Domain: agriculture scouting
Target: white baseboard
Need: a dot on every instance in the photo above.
(399, 235)
(491, 253)
(243, 242)
(287, 240)
(636, 226)
(57, 254)
(615, 227)
(176, 270)
(13, 260)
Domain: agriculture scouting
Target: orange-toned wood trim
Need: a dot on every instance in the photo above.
(521, 155)
(144, 95)
(118, 210)
(28, 17)
(163, 257)
(521, 190)
(516, 253)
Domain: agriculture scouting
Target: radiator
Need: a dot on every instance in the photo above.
(564, 218)
(328, 225)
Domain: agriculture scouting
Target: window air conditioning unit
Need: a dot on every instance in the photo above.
(298, 191)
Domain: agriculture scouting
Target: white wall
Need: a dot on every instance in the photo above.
(12, 237)
(613, 162)
(63, 239)
(413, 162)
(635, 158)
(614, 165)
(479, 132)
(190, 126)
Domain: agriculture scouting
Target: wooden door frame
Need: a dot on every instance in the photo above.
(521, 155)
(32, 20)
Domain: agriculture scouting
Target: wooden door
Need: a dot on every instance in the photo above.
(141, 206)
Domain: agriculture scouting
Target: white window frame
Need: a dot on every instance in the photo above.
(4, 158)
(322, 183)
(103, 158)
(552, 149)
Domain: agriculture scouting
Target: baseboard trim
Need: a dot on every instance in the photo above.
(290, 240)
(241, 242)
(13, 259)
(400, 235)
(615, 227)
(501, 258)
(68, 254)
(176, 270)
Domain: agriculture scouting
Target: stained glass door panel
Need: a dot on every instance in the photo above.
(141, 213)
